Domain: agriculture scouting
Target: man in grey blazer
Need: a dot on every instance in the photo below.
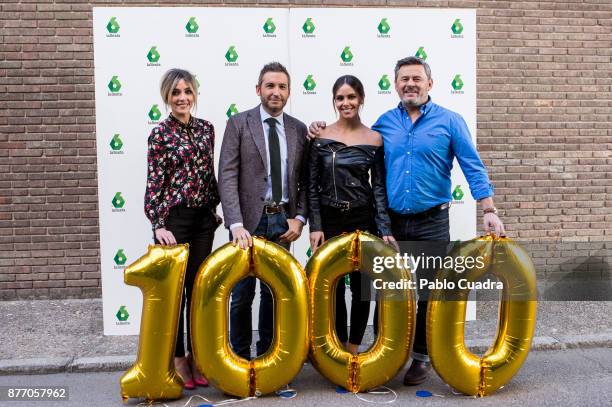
(262, 188)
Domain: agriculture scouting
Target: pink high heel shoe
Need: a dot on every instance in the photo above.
(198, 378)
(183, 369)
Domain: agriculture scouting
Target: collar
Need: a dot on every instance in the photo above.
(424, 108)
(180, 123)
(264, 115)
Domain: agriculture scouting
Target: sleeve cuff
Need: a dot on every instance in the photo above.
(483, 193)
(235, 225)
(301, 219)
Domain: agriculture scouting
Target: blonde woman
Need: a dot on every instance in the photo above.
(181, 194)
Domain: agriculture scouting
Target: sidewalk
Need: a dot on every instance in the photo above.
(47, 336)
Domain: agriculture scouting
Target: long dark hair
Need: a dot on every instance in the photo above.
(350, 80)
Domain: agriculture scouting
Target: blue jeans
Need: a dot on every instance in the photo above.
(271, 227)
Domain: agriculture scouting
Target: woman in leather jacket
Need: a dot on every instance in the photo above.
(341, 198)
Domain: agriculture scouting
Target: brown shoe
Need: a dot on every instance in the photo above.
(417, 373)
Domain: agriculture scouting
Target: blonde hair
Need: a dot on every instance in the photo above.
(170, 80)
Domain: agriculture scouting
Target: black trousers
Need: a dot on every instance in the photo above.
(434, 229)
(336, 222)
(195, 226)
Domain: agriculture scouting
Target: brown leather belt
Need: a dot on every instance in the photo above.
(273, 208)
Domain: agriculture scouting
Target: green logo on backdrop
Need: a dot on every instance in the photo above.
(120, 258)
(192, 26)
(457, 27)
(122, 315)
(308, 26)
(231, 55)
(421, 53)
(457, 83)
(153, 55)
(269, 26)
(309, 83)
(457, 193)
(116, 143)
(231, 110)
(114, 85)
(112, 26)
(384, 83)
(118, 201)
(154, 113)
(383, 26)
(346, 55)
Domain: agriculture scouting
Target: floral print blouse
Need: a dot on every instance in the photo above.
(180, 168)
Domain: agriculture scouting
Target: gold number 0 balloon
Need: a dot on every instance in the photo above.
(160, 275)
(216, 277)
(456, 365)
(388, 354)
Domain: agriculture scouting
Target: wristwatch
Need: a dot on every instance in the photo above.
(490, 210)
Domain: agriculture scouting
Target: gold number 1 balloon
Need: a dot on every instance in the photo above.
(456, 365)
(213, 354)
(160, 275)
(337, 257)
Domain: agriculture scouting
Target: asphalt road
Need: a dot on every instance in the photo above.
(573, 377)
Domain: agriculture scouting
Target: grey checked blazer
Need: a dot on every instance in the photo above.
(243, 168)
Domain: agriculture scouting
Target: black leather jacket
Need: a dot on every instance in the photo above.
(340, 177)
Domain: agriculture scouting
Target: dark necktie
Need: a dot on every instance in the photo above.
(275, 160)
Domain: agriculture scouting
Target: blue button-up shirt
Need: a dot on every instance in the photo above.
(419, 157)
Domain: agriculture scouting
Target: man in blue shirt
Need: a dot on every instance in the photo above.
(421, 139)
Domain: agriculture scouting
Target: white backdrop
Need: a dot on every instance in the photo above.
(225, 48)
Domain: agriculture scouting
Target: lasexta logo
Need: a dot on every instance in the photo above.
(120, 257)
(269, 26)
(114, 85)
(153, 55)
(231, 55)
(384, 83)
(122, 315)
(309, 83)
(346, 55)
(457, 83)
(457, 27)
(118, 201)
(457, 193)
(308, 26)
(154, 113)
(192, 26)
(112, 26)
(421, 53)
(232, 110)
(116, 143)
(383, 26)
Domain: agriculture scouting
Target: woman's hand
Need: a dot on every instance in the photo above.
(316, 240)
(164, 236)
(391, 241)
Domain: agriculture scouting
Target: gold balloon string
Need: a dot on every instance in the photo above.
(378, 391)
(458, 394)
(159, 403)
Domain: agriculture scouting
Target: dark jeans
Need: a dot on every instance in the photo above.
(241, 329)
(431, 228)
(195, 226)
(336, 222)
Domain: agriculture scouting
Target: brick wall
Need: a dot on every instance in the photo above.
(544, 130)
